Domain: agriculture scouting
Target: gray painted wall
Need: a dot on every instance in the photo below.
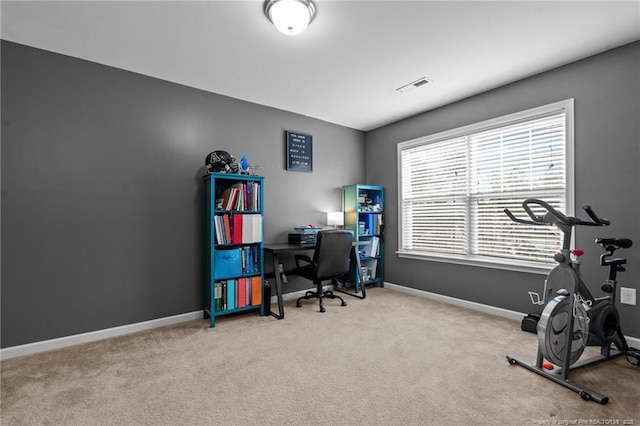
(606, 89)
(101, 185)
(102, 195)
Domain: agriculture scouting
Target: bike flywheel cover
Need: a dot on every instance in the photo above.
(552, 330)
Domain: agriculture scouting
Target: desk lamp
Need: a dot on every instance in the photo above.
(335, 219)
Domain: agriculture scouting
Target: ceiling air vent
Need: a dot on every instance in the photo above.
(418, 83)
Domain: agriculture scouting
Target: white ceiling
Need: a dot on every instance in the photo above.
(345, 68)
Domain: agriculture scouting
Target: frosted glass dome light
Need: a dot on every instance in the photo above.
(290, 17)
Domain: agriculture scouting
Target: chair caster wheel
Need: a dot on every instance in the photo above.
(298, 305)
(344, 303)
(323, 310)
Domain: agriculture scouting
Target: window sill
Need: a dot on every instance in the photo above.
(483, 262)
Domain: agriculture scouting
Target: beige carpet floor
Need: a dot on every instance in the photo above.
(391, 359)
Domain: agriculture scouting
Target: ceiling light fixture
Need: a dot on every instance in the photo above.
(290, 17)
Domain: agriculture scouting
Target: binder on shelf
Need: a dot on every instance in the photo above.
(257, 228)
(231, 294)
(251, 228)
(256, 291)
(236, 228)
(227, 228)
(242, 292)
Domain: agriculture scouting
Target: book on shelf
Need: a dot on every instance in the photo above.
(235, 228)
(242, 292)
(251, 228)
(256, 291)
(373, 223)
(375, 246)
(250, 260)
(240, 196)
(218, 224)
(223, 296)
(217, 296)
(237, 293)
(231, 294)
(238, 202)
(227, 228)
(227, 198)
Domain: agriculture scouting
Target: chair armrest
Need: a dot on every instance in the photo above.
(302, 258)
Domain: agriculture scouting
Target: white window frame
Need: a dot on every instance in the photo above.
(485, 261)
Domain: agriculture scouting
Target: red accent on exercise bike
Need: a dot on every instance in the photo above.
(577, 252)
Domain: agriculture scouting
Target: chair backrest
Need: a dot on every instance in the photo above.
(333, 248)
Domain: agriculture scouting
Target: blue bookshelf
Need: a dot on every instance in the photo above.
(363, 207)
(233, 244)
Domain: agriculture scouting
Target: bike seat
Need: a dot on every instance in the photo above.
(616, 242)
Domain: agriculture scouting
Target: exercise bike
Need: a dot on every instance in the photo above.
(572, 318)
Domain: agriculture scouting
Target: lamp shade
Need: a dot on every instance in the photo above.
(335, 218)
(290, 17)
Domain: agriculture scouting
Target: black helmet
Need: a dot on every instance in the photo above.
(221, 162)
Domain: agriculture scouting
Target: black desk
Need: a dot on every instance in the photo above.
(277, 248)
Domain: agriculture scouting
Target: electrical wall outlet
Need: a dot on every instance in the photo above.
(628, 296)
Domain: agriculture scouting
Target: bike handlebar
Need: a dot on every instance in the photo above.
(554, 217)
(594, 217)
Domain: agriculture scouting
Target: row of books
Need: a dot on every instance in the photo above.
(236, 261)
(373, 223)
(241, 196)
(237, 293)
(237, 228)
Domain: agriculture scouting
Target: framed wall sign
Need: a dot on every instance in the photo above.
(299, 151)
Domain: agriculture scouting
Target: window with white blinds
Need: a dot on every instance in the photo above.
(454, 187)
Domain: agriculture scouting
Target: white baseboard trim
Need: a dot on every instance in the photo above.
(62, 342)
(92, 336)
(487, 309)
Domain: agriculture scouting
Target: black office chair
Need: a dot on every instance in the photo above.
(330, 262)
